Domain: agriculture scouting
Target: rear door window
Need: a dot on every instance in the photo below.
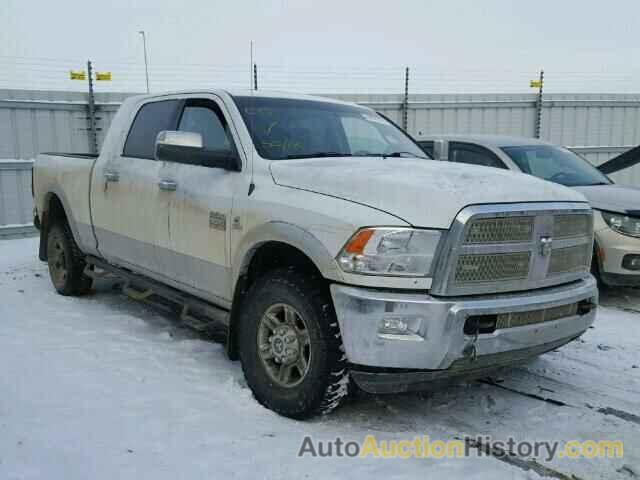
(474, 155)
(152, 118)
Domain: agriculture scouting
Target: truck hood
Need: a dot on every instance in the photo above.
(424, 193)
(614, 198)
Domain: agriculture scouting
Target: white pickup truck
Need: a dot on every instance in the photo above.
(323, 241)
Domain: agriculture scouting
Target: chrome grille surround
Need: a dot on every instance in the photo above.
(495, 264)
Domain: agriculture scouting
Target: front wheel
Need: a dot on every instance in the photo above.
(290, 345)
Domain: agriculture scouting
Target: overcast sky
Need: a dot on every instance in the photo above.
(452, 45)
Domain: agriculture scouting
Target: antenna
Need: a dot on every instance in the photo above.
(146, 61)
(252, 185)
(251, 68)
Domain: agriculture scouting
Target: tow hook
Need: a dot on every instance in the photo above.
(470, 350)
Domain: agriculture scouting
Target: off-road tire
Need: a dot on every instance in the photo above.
(326, 382)
(66, 262)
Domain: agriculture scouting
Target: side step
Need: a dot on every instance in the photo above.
(194, 312)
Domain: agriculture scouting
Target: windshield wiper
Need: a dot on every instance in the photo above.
(340, 154)
(397, 155)
(318, 155)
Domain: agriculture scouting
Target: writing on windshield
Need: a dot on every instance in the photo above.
(299, 128)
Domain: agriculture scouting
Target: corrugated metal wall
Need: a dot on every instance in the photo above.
(598, 126)
(32, 122)
(16, 210)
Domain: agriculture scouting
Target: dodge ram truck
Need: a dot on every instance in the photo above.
(324, 243)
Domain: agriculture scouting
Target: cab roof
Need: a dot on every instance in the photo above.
(252, 93)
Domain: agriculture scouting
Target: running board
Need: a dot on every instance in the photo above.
(194, 312)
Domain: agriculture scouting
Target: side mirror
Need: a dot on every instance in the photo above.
(187, 147)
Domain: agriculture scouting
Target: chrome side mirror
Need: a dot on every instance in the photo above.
(187, 148)
(176, 139)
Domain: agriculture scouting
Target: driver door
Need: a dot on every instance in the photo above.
(201, 207)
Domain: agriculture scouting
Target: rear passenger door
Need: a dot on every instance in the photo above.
(130, 211)
(462, 152)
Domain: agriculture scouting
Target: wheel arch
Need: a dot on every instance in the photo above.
(275, 245)
(55, 207)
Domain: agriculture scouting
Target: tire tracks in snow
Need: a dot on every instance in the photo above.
(549, 390)
(511, 458)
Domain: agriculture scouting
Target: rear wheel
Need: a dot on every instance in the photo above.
(66, 262)
(290, 345)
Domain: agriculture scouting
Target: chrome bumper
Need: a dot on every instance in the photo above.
(435, 337)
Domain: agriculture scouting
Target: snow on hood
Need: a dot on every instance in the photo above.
(615, 198)
(424, 193)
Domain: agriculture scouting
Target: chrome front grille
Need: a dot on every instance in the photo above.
(501, 248)
(505, 230)
(492, 267)
(569, 259)
(567, 226)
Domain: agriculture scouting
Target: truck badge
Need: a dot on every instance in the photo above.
(546, 245)
(217, 221)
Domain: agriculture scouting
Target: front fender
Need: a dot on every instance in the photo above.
(289, 234)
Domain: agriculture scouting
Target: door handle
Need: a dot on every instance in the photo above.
(111, 176)
(168, 185)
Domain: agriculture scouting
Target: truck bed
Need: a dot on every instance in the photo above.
(66, 176)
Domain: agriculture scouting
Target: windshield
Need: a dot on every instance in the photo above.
(290, 128)
(556, 164)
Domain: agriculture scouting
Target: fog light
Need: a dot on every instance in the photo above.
(402, 327)
(393, 326)
(631, 262)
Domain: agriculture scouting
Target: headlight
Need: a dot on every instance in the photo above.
(623, 223)
(402, 252)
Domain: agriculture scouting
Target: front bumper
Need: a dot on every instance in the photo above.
(436, 340)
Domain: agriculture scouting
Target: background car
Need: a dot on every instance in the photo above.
(616, 260)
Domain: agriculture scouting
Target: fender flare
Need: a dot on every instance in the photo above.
(289, 234)
(52, 190)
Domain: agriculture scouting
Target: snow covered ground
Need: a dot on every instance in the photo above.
(102, 387)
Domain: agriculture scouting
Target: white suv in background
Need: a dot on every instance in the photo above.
(617, 208)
